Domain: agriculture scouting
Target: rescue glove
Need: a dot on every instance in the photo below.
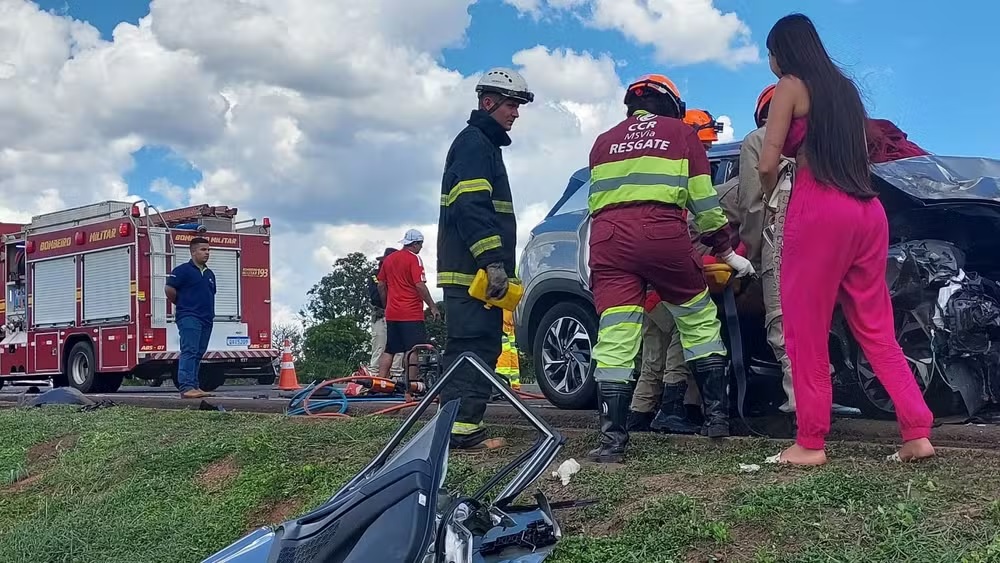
(742, 266)
(496, 281)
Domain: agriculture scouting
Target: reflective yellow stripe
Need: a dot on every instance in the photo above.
(455, 278)
(644, 178)
(699, 327)
(503, 206)
(465, 428)
(488, 243)
(618, 342)
(464, 187)
(704, 203)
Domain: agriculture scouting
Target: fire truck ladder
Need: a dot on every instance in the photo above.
(162, 250)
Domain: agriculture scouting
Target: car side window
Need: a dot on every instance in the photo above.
(577, 201)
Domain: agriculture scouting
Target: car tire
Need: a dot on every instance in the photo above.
(109, 382)
(81, 368)
(266, 379)
(211, 377)
(556, 329)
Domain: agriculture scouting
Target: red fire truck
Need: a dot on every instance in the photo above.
(85, 305)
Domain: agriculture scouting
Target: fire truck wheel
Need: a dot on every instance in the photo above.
(211, 378)
(109, 382)
(81, 369)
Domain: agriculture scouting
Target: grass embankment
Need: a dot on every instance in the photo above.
(132, 485)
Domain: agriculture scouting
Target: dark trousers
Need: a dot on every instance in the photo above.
(195, 335)
(471, 328)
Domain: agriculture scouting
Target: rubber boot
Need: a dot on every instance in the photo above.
(615, 400)
(671, 418)
(639, 421)
(713, 378)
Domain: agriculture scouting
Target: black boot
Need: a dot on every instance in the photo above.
(672, 418)
(639, 421)
(713, 379)
(615, 400)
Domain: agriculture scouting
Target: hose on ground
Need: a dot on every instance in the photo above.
(341, 401)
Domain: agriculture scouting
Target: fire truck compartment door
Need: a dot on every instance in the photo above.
(106, 280)
(54, 291)
(225, 263)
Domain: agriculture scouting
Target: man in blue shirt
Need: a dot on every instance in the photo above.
(191, 288)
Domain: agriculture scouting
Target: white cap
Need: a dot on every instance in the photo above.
(411, 237)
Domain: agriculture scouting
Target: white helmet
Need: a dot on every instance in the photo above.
(506, 82)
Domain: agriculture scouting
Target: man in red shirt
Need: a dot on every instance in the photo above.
(403, 286)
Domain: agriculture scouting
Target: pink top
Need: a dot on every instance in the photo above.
(796, 136)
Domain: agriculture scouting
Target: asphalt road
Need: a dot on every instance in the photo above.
(267, 399)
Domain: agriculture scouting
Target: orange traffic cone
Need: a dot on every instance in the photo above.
(287, 380)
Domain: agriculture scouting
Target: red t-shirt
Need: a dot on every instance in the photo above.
(401, 272)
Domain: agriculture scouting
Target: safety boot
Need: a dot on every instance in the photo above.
(672, 416)
(639, 421)
(713, 378)
(615, 400)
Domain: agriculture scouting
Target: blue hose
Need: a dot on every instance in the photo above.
(340, 401)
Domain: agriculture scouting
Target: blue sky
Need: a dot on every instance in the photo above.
(928, 68)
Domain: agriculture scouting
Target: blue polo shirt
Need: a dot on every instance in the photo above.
(195, 292)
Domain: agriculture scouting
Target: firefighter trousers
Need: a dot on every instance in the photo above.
(471, 328)
(662, 362)
(638, 245)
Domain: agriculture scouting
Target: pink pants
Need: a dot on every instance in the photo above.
(835, 250)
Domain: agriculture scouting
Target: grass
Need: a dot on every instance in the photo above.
(132, 485)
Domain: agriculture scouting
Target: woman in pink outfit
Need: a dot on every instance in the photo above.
(836, 241)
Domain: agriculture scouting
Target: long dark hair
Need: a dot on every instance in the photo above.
(835, 143)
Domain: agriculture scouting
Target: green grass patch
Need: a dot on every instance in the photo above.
(134, 485)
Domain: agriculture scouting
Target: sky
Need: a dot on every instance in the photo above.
(333, 118)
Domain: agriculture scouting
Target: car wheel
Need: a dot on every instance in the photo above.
(562, 356)
(873, 399)
(266, 379)
(81, 369)
(211, 377)
(109, 383)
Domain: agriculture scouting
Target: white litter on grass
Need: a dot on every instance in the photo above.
(566, 470)
(749, 468)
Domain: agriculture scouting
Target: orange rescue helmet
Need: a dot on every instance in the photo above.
(763, 105)
(655, 84)
(707, 127)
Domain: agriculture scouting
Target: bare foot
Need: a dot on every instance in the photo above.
(915, 450)
(797, 455)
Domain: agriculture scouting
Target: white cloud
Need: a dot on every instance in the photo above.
(332, 118)
(680, 31)
(728, 134)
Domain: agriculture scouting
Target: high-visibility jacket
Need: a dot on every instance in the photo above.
(649, 158)
(508, 364)
(476, 225)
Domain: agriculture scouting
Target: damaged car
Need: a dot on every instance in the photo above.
(944, 264)
(398, 508)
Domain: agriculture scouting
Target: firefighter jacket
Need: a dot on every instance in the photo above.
(508, 364)
(649, 158)
(476, 226)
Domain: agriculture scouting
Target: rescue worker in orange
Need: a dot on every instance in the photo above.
(645, 172)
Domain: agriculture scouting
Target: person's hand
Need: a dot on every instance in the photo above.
(496, 281)
(742, 266)
(435, 312)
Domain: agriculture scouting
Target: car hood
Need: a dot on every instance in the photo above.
(933, 179)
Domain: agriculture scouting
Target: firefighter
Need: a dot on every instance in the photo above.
(477, 231)
(508, 365)
(644, 173)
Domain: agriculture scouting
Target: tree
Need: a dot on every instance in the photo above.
(291, 331)
(343, 293)
(334, 348)
(437, 331)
